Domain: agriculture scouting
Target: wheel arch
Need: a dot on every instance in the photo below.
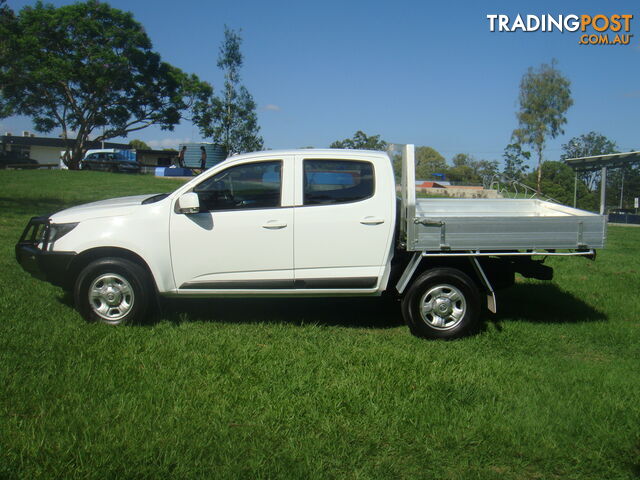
(86, 257)
(458, 263)
(429, 263)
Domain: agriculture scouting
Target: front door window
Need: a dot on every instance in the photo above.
(247, 186)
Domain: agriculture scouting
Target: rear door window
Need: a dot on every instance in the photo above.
(329, 182)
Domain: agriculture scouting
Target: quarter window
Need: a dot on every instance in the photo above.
(337, 181)
(252, 185)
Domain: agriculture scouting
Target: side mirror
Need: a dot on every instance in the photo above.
(188, 203)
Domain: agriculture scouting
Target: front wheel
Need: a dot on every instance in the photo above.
(113, 291)
(442, 303)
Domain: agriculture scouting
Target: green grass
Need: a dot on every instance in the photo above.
(316, 388)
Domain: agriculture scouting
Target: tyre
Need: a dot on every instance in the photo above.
(113, 291)
(442, 303)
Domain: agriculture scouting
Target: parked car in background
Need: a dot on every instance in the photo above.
(110, 160)
(15, 159)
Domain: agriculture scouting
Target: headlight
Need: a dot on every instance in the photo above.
(59, 230)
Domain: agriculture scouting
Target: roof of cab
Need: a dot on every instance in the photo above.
(328, 152)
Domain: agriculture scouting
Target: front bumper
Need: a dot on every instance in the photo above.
(34, 257)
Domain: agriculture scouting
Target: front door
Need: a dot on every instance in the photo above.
(242, 238)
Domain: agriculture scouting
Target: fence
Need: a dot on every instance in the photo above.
(624, 218)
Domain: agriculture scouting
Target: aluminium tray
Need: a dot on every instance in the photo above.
(503, 224)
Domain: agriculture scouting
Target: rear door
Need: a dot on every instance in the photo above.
(90, 161)
(100, 163)
(344, 221)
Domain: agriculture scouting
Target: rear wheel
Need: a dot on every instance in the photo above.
(442, 303)
(113, 291)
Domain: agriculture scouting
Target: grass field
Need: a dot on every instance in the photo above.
(316, 388)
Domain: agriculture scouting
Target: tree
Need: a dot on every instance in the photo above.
(231, 118)
(90, 68)
(558, 182)
(139, 145)
(589, 145)
(486, 170)
(7, 31)
(462, 170)
(623, 185)
(631, 185)
(461, 159)
(361, 141)
(545, 97)
(6, 14)
(515, 161)
(428, 162)
(468, 170)
(5, 11)
(463, 174)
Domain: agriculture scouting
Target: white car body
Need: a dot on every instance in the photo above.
(243, 252)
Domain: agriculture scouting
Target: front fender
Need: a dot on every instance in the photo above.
(144, 234)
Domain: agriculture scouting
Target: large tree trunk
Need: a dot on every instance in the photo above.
(539, 169)
(66, 158)
(77, 154)
(78, 147)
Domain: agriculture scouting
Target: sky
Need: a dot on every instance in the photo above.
(422, 72)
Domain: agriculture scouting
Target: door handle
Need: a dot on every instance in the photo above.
(372, 221)
(274, 225)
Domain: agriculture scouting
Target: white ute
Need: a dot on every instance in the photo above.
(304, 222)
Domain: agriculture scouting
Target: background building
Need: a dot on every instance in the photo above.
(46, 151)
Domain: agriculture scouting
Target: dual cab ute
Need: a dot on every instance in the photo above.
(304, 222)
